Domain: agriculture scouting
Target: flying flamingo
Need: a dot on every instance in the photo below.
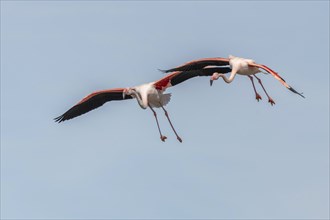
(238, 65)
(147, 95)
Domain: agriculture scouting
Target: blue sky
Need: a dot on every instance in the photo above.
(239, 158)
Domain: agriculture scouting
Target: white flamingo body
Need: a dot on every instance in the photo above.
(142, 94)
(147, 94)
(242, 65)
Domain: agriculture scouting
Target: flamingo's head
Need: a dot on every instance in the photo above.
(129, 91)
(215, 76)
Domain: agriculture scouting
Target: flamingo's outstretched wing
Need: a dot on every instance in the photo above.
(200, 64)
(180, 76)
(92, 101)
(278, 77)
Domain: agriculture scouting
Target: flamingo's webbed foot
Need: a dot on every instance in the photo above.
(258, 97)
(163, 138)
(271, 101)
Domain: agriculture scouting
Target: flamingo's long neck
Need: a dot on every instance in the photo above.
(141, 98)
(227, 80)
(230, 79)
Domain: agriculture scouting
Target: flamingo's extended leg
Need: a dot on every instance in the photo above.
(258, 97)
(163, 138)
(270, 100)
(168, 118)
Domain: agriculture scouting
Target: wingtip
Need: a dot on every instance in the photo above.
(163, 71)
(58, 119)
(301, 94)
(298, 93)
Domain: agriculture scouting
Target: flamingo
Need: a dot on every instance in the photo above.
(150, 95)
(239, 65)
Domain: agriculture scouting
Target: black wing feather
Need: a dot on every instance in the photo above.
(183, 76)
(94, 102)
(197, 65)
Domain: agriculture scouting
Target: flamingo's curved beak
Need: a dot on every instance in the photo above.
(211, 82)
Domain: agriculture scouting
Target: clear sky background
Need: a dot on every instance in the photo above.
(239, 158)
